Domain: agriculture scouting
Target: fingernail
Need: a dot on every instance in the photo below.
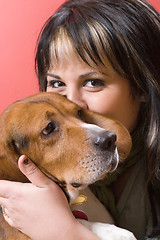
(25, 162)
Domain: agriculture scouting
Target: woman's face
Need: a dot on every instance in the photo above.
(104, 92)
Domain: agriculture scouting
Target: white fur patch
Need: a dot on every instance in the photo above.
(93, 127)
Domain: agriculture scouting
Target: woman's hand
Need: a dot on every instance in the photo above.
(39, 209)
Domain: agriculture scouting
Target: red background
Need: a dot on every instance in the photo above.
(20, 24)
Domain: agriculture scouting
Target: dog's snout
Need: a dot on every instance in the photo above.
(106, 140)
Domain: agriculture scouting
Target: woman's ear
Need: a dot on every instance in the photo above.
(142, 98)
(123, 142)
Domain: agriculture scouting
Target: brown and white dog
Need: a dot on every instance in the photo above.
(72, 146)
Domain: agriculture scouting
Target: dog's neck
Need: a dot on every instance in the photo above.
(70, 194)
(73, 195)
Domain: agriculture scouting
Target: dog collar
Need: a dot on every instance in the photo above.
(79, 201)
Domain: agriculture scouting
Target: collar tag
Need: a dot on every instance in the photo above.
(80, 200)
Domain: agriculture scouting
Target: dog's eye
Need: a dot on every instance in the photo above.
(80, 114)
(49, 129)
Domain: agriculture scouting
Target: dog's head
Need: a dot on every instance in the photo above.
(73, 146)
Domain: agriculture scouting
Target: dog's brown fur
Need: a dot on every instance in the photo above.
(66, 155)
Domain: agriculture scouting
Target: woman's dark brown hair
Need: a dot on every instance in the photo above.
(125, 32)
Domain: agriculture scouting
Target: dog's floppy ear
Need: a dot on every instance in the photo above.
(10, 150)
(123, 142)
(17, 144)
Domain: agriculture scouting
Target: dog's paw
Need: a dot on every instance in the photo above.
(108, 231)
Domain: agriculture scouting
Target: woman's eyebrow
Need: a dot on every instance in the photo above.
(81, 76)
(86, 74)
(53, 75)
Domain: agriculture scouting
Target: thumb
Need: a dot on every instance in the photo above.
(32, 172)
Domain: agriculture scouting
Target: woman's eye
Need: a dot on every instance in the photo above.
(93, 83)
(55, 84)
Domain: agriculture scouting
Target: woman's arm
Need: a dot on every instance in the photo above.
(40, 209)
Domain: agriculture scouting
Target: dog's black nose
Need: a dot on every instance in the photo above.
(106, 140)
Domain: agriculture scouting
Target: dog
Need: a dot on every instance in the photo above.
(72, 146)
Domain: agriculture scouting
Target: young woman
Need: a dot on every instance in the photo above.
(103, 55)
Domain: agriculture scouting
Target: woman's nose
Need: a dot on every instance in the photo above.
(76, 97)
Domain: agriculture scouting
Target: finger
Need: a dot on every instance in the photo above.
(32, 172)
(7, 188)
(7, 217)
(3, 203)
(5, 212)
